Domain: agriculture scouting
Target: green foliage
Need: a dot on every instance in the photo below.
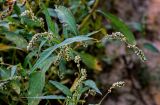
(92, 85)
(90, 61)
(50, 23)
(36, 84)
(67, 19)
(48, 97)
(16, 39)
(45, 41)
(151, 47)
(46, 53)
(61, 87)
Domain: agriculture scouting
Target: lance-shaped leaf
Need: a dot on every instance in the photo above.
(50, 23)
(49, 97)
(66, 17)
(61, 87)
(13, 70)
(90, 61)
(119, 25)
(36, 85)
(16, 39)
(47, 63)
(92, 84)
(151, 47)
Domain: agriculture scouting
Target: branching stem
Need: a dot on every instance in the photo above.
(90, 13)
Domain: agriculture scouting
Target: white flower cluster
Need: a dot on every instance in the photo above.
(77, 60)
(65, 52)
(36, 37)
(80, 79)
(30, 14)
(116, 85)
(121, 37)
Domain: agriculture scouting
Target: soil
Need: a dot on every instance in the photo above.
(142, 78)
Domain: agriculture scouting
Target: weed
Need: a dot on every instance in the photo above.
(52, 37)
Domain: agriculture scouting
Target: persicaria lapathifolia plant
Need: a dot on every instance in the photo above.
(51, 41)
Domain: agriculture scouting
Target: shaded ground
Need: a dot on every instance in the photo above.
(142, 78)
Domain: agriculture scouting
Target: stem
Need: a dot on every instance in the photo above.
(103, 98)
(90, 13)
(5, 64)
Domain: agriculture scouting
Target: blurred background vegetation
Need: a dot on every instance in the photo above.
(105, 64)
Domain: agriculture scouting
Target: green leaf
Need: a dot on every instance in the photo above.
(66, 32)
(150, 47)
(50, 24)
(66, 17)
(52, 12)
(17, 9)
(36, 85)
(83, 90)
(76, 95)
(61, 87)
(29, 22)
(45, 54)
(17, 39)
(13, 70)
(92, 84)
(47, 63)
(90, 61)
(119, 25)
(4, 73)
(16, 87)
(62, 68)
(29, 57)
(49, 97)
(41, 45)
